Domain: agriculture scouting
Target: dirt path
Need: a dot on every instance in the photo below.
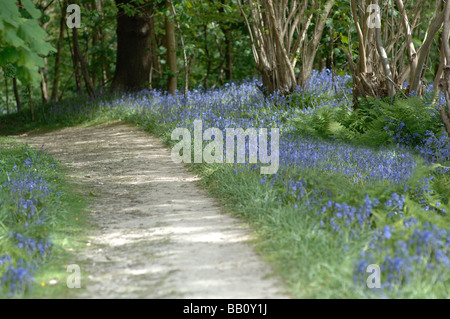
(159, 235)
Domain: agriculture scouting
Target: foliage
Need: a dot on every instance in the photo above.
(22, 40)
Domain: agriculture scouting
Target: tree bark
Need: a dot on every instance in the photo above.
(6, 94)
(444, 85)
(228, 54)
(84, 68)
(171, 50)
(44, 88)
(133, 49)
(76, 68)
(62, 24)
(31, 102)
(155, 65)
(185, 59)
(16, 95)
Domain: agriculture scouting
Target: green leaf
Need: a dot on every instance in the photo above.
(29, 6)
(344, 39)
(10, 38)
(9, 12)
(30, 30)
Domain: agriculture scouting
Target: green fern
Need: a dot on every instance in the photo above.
(375, 123)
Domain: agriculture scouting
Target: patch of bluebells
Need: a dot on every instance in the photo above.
(18, 277)
(325, 82)
(359, 164)
(28, 192)
(435, 149)
(399, 134)
(32, 246)
(404, 253)
(340, 216)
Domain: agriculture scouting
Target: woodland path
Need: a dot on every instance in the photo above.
(157, 234)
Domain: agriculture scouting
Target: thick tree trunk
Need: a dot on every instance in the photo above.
(171, 50)
(133, 49)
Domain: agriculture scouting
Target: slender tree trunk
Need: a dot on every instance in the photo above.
(171, 50)
(7, 94)
(228, 54)
(133, 49)
(208, 58)
(44, 89)
(84, 68)
(185, 59)
(16, 95)
(62, 24)
(31, 102)
(226, 29)
(444, 84)
(385, 62)
(76, 68)
(155, 67)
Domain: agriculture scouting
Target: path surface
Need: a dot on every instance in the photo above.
(159, 235)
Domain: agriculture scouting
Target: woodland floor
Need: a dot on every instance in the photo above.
(156, 233)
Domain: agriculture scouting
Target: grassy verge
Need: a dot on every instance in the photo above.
(43, 223)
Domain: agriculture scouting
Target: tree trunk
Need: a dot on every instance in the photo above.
(133, 49)
(226, 29)
(444, 85)
(44, 89)
(228, 54)
(84, 68)
(16, 95)
(185, 59)
(6, 94)
(155, 67)
(62, 24)
(31, 102)
(76, 68)
(171, 50)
